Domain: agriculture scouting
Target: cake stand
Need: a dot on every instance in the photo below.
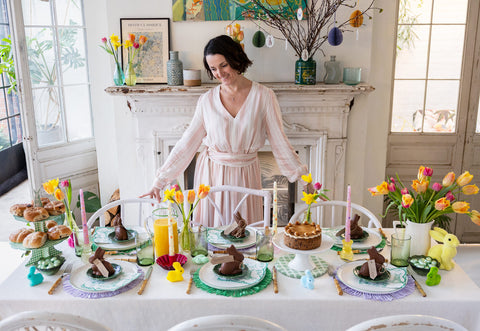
(302, 261)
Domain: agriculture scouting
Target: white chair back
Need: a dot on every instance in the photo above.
(227, 323)
(226, 219)
(331, 213)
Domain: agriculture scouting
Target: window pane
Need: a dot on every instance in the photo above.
(69, 12)
(441, 106)
(79, 121)
(73, 56)
(12, 104)
(41, 56)
(446, 51)
(407, 105)
(3, 11)
(4, 32)
(15, 130)
(3, 106)
(4, 138)
(48, 116)
(414, 11)
(412, 48)
(448, 11)
(36, 12)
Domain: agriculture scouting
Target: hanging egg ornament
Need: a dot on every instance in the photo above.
(304, 55)
(269, 42)
(356, 19)
(335, 36)
(258, 39)
(299, 13)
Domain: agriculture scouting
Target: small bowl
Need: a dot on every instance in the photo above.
(51, 271)
(420, 269)
(164, 261)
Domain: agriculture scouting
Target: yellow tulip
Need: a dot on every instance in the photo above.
(475, 217)
(420, 186)
(191, 196)
(308, 198)
(449, 179)
(179, 197)
(407, 200)
(383, 188)
(59, 194)
(307, 178)
(50, 186)
(470, 189)
(442, 204)
(464, 178)
(169, 194)
(420, 175)
(203, 191)
(460, 207)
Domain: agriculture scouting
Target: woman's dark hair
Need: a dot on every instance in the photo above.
(233, 52)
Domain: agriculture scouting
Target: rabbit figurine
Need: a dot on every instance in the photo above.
(308, 280)
(446, 252)
(433, 278)
(175, 275)
(34, 278)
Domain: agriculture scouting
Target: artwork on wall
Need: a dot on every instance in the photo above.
(151, 61)
(227, 10)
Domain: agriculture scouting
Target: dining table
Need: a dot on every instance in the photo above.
(164, 304)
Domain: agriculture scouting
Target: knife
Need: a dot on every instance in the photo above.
(417, 284)
(144, 283)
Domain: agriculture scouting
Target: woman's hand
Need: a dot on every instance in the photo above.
(154, 193)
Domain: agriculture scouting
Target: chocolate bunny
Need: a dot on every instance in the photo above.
(234, 267)
(239, 231)
(98, 255)
(120, 231)
(379, 261)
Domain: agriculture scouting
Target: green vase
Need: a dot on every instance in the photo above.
(185, 236)
(130, 76)
(305, 72)
(118, 76)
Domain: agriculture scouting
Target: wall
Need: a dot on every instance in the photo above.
(368, 120)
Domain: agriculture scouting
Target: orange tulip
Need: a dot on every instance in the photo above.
(59, 194)
(460, 207)
(191, 196)
(203, 191)
(449, 179)
(442, 204)
(470, 189)
(475, 217)
(179, 197)
(142, 40)
(464, 178)
(131, 36)
(420, 186)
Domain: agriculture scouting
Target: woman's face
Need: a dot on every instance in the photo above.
(220, 68)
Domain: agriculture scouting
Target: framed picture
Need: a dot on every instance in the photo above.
(150, 63)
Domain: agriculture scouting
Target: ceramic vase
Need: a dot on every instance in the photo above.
(118, 76)
(305, 72)
(174, 69)
(130, 76)
(419, 232)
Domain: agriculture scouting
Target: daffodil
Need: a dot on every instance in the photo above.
(168, 195)
(307, 178)
(309, 198)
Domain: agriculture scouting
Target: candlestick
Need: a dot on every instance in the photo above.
(349, 207)
(86, 240)
(171, 248)
(347, 252)
(275, 208)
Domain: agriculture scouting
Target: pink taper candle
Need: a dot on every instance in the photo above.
(86, 241)
(171, 246)
(275, 208)
(349, 208)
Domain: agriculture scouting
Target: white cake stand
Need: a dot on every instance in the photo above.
(302, 261)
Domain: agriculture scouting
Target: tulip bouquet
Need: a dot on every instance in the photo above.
(423, 201)
(235, 32)
(176, 196)
(132, 48)
(111, 46)
(311, 194)
(52, 187)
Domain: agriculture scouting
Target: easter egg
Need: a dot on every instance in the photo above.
(356, 19)
(335, 36)
(258, 39)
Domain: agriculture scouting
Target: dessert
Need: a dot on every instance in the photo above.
(19, 208)
(20, 234)
(379, 261)
(58, 232)
(120, 231)
(55, 208)
(233, 267)
(100, 267)
(50, 224)
(236, 229)
(33, 214)
(356, 231)
(35, 240)
(303, 236)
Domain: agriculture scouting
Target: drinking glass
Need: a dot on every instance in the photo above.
(352, 76)
(264, 245)
(400, 250)
(198, 241)
(144, 246)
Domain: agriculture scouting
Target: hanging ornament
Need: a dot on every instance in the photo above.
(269, 42)
(258, 39)
(299, 13)
(305, 55)
(356, 19)
(335, 36)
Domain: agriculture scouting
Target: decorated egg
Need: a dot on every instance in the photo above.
(356, 19)
(335, 36)
(270, 41)
(258, 39)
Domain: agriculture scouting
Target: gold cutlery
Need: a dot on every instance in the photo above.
(144, 283)
(190, 282)
(331, 273)
(417, 284)
(275, 281)
(68, 269)
(128, 260)
(380, 230)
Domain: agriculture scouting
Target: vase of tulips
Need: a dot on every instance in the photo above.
(111, 46)
(132, 47)
(312, 193)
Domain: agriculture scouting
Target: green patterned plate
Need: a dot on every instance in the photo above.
(231, 238)
(130, 236)
(216, 269)
(116, 267)
(383, 277)
(357, 240)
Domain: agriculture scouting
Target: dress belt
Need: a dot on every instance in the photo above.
(232, 160)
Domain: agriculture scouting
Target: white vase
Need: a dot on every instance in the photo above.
(420, 242)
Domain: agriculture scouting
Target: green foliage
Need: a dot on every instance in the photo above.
(92, 202)
(7, 64)
(406, 35)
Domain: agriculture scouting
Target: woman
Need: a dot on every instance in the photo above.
(232, 121)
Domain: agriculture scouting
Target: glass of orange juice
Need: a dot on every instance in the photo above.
(160, 231)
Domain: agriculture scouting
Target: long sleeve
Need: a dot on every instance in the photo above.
(286, 157)
(184, 151)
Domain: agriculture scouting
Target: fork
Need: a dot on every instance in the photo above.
(331, 273)
(190, 282)
(67, 270)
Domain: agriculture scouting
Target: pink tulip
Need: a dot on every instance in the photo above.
(436, 187)
(136, 45)
(64, 183)
(317, 186)
(449, 196)
(392, 180)
(175, 187)
(404, 191)
(391, 187)
(407, 200)
(428, 172)
(104, 40)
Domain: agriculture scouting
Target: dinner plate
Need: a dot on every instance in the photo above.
(215, 238)
(80, 280)
(398, 279)
(130, 236)
(116, 271)
(383, 277)
(101, 239)
(326, 244)
(256, 272)
(233, 238)
(373, 239)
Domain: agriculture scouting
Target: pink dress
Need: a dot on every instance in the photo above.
(229, 152)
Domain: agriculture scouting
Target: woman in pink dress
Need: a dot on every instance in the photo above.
(230, 124)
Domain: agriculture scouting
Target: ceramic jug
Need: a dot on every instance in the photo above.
(332, 71)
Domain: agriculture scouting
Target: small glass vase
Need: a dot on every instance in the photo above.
(118, 76)
(185, 236)
(130, 76)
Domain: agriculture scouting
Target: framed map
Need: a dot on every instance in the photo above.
(151, 61)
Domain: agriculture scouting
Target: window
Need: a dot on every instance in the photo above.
(55, 36)
(430, 37)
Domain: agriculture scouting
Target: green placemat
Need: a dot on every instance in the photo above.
(332, 231)
(282, 266)
(234, 293)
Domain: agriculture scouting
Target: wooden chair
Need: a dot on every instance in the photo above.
(227, 322)
(332, 214)
(227, 219)
(42, 320)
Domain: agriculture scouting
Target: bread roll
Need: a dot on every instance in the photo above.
(35, 240)
(55, 208)
(19, 235)
(58, 232)
(19, 208)
(50, 224)
(34, 214)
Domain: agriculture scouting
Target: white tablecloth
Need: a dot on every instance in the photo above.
(164, 304)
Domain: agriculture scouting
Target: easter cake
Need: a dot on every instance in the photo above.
(303, 236)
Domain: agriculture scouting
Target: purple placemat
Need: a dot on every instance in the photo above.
(407, 290)
(67, 286)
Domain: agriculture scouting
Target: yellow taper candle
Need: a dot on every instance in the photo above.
(275, 208)
(160, 229)
(171, 249)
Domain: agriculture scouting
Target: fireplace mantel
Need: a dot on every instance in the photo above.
(315, 120)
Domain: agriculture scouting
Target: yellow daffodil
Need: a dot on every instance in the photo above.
(460, 207)
(169, 194)
(475, 217)
(114, 38)
(128, 43)
(203, 191)
(309, 198)
(50, 186)
(464, 178)
(470, 189)
(307, 178)
(442, 204)
(59, 194)
(191, 196)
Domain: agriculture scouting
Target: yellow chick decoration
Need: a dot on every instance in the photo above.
(446, 252)
(175, 275)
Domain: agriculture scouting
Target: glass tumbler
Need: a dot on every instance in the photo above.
(352, 76)
(400, 250)
(264, 245)
(144, 246)
(198, 241)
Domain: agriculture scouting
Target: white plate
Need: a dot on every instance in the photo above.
(374, 239)
(398, 279)
(408, 322)
(327, 242)
(80, 280)
(256, 272)
(101, 240)
(214, 238)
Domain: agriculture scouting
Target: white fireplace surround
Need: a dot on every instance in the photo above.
(315, 121)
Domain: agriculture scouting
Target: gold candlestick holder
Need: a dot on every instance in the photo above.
(347, 253)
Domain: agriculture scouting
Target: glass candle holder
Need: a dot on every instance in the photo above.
(400, 250)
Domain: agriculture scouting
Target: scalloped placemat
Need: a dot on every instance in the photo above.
(320, 269)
